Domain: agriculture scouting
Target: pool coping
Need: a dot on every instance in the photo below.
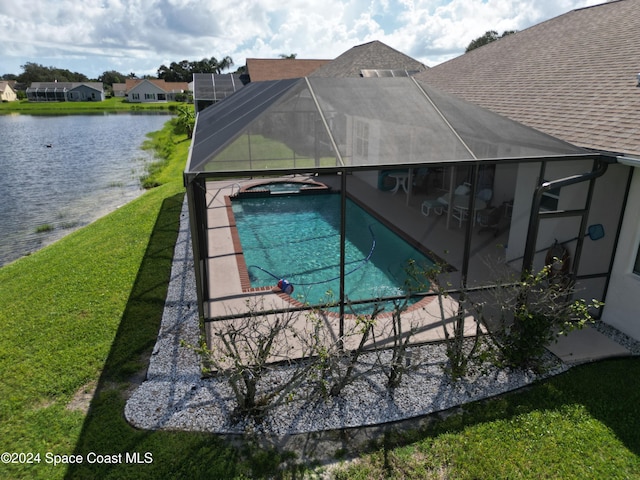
(245, 280)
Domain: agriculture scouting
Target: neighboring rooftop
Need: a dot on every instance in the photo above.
(209, 88)
(573, 77)
(369, 56)
(263, 69)
(64, 85)
(166, 86)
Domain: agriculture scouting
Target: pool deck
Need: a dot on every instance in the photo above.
(229, 295)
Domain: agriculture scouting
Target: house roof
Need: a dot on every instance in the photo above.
(132, 83)
(4, 84)
(92, 85)
(368, 56)
(334, 122)
(64, 85)
(119, 87)
(264, 69)
(573, 77)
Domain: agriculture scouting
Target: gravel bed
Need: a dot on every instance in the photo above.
(176, 397)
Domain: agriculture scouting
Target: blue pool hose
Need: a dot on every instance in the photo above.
(362, 264)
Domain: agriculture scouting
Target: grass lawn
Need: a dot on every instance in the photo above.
(112, 105)
(83, 314)
(264, 153)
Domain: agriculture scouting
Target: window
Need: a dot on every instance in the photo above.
(636, 266)
(362, 138)
(149, 96)
(135, 96)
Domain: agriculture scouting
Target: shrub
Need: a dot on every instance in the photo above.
(531, 313)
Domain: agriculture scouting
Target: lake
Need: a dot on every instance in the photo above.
(60, 173)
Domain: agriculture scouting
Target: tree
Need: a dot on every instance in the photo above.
(183, 71)
(488, 37)
(186, 120)
(111, 76)
(291, 56)
(34, 72)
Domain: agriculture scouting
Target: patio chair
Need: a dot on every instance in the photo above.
(490, 219)
(486, 194)
(432, 204)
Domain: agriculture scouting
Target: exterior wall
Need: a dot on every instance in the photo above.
(8, 95)
(146, 92)
(84, 93)
(621, 306)
(606, 205)
(550, 230)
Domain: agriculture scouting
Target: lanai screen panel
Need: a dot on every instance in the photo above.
(489, 135)
(302, 124)
(221, 125)
(378, 121)
(289, 134)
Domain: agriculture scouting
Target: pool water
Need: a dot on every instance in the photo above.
(298, 238)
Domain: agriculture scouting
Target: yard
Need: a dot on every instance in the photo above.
(80, 319)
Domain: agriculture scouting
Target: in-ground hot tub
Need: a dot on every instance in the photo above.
(282, 187)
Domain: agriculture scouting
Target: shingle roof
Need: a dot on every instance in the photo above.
(573, 77)
(264, 69)
(161, 84)
(4, 84)
(368, 56)
(65, 85)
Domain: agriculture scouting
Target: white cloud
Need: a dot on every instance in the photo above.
(139, 35)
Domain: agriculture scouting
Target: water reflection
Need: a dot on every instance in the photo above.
(59, 173)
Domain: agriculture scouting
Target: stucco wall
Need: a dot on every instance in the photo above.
(622, 305)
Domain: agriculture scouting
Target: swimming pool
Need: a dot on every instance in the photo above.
(297, 238)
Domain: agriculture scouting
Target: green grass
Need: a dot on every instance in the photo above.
(86, 310)
(61, 108)
(264, 153)
(582, 424)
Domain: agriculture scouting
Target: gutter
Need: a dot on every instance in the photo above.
(629, 161)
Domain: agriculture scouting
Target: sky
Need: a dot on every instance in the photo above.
(138, 36)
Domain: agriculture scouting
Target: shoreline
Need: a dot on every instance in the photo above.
(70, 213)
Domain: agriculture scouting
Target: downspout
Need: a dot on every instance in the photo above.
(598, 170)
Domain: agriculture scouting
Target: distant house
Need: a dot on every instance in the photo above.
(152, 90)
(65, 92)
(373, 59)
(86, 92)
(119, 89)
(7, 93)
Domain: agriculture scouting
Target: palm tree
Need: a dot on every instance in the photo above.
(186, 120)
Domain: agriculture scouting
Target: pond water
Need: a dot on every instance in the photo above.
(60, 173)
